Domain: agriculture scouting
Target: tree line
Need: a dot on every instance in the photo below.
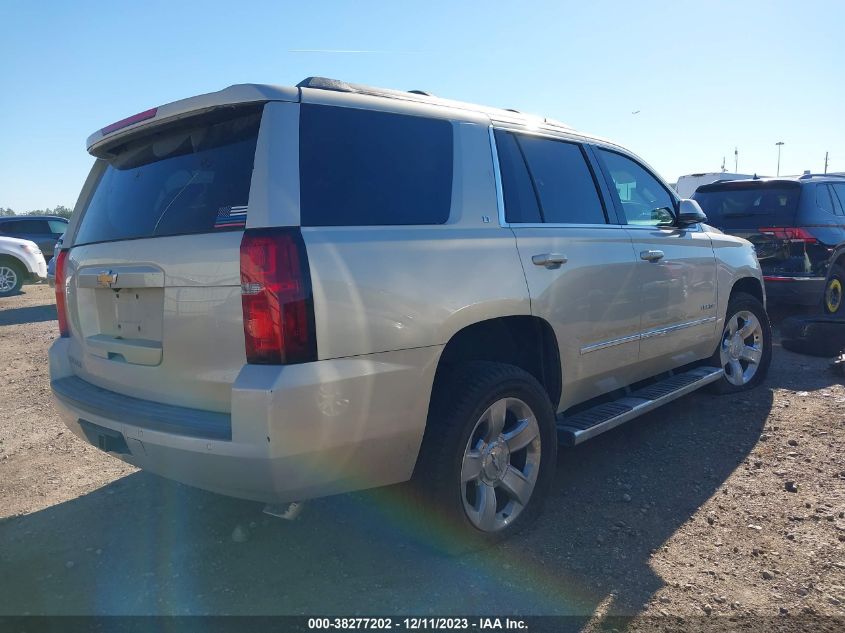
(61, 211)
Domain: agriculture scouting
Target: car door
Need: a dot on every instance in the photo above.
(675, 270)
(578, 261)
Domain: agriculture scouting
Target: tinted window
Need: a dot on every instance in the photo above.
(360, 167)
(644, 200)
(25, 226)
(57, 226)
(190, 179)
(563, 181)
(838, 191)
(745, 204)
(823, 198)
(520, 199)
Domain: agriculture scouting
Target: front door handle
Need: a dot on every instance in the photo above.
(651, 256)
(549, 260)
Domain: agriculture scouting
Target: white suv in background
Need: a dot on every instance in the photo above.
(20, 261)
(281, 293)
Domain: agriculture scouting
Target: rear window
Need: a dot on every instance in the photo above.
(360, 167)
(748, 204)
(57, 226)
(193, 178)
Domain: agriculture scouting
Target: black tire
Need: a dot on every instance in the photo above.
(742, 302)
(17, 272)
(815, 336)
(461, 396)
(833, 301)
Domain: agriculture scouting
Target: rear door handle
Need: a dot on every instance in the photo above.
(549, 260)
(651, 256)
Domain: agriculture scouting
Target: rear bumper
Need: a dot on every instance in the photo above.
(293, 433)
(807, 291)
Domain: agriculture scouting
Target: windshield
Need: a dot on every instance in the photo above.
(748, 205)
(191, 179)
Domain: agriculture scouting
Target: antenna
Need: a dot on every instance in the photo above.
(723, 165)
(736, 160)
(825, 162)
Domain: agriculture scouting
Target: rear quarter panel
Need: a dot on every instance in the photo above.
(383, 288)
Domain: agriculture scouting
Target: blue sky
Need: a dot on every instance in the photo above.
(704, 76)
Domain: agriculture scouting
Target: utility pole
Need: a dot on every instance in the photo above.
(779, 144)
(825, 162)
(736, 160)
(723, 165)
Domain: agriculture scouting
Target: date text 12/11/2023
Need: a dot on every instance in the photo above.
(418, 623)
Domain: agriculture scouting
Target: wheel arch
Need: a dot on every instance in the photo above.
(525, 341)
(837, 259)
(751, 286)
(6, 258)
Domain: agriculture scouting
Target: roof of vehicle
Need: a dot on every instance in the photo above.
(721, 185)
(257, 93)
(7, 218)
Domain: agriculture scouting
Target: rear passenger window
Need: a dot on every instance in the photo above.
(838, 192)
(823, 198)
(27, 226)
(520, 200)
(563, 182)
(363, 168)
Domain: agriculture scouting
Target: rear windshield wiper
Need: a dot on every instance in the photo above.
(738, 214)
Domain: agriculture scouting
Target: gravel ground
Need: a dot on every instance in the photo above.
(711, 511)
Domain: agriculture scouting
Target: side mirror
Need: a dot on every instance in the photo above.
(689, 213)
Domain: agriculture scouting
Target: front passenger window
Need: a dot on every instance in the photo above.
(644, 200)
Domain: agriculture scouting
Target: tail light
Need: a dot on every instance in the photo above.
(789, 233)
(61, 293)
(276, 296)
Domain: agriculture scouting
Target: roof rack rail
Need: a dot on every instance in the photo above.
(325, 83)
(809, 175)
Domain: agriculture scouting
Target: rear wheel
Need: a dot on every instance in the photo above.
(489, 453)
(745, 347)
(11, 278)
(833, 300)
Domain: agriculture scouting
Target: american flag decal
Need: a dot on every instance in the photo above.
(228, 217)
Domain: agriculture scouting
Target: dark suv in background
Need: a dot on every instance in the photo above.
(44, 230)
(797, 226)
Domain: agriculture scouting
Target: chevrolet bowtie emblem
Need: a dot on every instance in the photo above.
(106, 279)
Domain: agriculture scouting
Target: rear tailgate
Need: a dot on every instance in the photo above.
(763, 212)
(153, 290)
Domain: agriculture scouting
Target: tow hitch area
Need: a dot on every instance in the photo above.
(105, 439)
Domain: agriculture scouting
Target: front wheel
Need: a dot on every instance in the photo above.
(745, 347)
(11, 278)
(489, 452)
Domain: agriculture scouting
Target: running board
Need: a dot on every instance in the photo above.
(578, 428)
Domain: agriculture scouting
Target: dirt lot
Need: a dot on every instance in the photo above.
(683, 514)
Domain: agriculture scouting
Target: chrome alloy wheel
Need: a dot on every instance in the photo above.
(8, 278)
(742, 347)
(500, 465)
